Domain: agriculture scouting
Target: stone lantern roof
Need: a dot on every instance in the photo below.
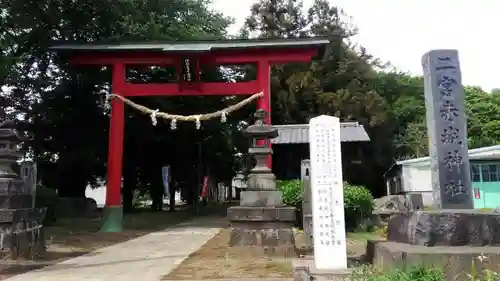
(260, 130)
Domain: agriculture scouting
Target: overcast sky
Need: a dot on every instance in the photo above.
(402, 31)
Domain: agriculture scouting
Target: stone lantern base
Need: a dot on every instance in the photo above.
(262, 225)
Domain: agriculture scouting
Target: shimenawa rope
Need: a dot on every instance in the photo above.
(185, 118)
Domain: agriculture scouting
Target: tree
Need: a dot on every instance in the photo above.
(482, 122)
(340, 83)
(65, 106)
(351, 84)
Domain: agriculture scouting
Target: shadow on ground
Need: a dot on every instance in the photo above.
(69, 238)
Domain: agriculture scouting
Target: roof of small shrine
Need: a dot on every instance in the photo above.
(299, 133)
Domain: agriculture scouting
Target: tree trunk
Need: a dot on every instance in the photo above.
(72, 186)
(171, 202)
(129, 185)
(157, 192)
(230, 192)
(238, 193)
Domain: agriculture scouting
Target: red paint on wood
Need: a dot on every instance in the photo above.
(273, 56)
(115, 153)
(203, 89)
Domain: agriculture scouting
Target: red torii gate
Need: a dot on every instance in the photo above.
(187, 58)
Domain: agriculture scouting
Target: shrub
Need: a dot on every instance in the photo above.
(292, 192)
(358, 204)
(358, 201)
(292, 197)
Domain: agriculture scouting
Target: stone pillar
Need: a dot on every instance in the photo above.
(305, 176)
(447, 130)
(459, 231)
(21, 232)
(261, 223)
(327, 194)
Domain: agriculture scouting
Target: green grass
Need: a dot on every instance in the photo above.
(371, 273)
(480, 210)
(363, 236)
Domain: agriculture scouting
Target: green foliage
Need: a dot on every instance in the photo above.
(370, 273)
(63, 107)
(382, 231)
(358, 201)
(358, 204)
(292, 192)
(65, 114)
(421, 273)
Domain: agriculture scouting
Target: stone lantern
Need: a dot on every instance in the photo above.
(21, 231)
(261, 223)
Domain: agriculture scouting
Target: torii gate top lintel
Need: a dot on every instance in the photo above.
(187, 56)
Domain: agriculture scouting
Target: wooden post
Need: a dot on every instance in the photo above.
(113, 213)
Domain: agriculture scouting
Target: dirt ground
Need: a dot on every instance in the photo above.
(211, 262)
(69, 238)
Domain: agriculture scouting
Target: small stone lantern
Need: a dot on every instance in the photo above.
(21, 232)
(261, 223)
(261, 177)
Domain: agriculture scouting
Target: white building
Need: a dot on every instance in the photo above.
(414, 176)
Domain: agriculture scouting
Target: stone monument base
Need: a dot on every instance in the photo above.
(445, 228)
(456, 261)
(263, 230)
(305, 270)
(308, 246)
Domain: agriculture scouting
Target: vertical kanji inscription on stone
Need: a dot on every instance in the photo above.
(447, 130)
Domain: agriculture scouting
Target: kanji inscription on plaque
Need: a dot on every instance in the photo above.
(327, 193)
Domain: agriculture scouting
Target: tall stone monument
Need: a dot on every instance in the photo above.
(447, 130)
(327, 197)
(451, 236)
(261, 223)
(21, 232)
(327, 194)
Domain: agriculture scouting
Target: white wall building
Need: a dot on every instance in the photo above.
(414, 175)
